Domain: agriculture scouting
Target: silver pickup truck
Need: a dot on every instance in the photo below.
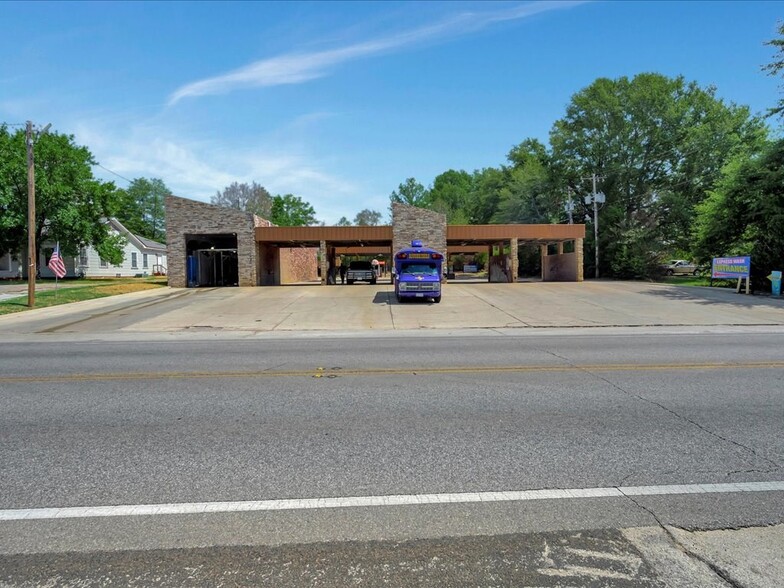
(676, 267)
(360, 271)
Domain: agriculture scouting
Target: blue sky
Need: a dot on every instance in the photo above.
(340, 102)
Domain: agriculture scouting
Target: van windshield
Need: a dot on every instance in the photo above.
(420, 269)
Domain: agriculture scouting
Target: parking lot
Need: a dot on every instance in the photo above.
(527, 305)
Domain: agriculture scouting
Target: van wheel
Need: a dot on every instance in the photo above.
(437, 299)
(372, 282)
(350, 282)
(670, 272)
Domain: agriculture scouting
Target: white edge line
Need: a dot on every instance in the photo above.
(391, 500)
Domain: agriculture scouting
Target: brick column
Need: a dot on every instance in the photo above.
(543, 256)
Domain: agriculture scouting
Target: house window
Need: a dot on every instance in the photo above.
(104, 263)
(134, 262)
(144, 260)
(83, 256)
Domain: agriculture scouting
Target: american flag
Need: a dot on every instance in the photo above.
(56, 262)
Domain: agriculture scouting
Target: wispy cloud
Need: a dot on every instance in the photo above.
(198, 169)
(296, 68)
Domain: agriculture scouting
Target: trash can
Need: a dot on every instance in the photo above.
(192, 268)
(775, 283)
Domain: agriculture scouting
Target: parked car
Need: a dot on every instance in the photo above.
(360, 271)
(680, 267)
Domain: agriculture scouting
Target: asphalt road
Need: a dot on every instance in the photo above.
(196, 421)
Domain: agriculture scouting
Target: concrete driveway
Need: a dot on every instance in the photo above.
(374, 308)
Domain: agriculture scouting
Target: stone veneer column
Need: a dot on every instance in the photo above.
(323, 264)
(411, 222)
(578, 251)
(514, 259)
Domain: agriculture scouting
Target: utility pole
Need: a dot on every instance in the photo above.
(596, 198)
(595, 225)
(31, 260)
(569, 205)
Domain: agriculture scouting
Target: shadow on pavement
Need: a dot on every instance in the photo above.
(702, 295)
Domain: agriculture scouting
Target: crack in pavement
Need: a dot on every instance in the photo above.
(721, 573)
(630, 394)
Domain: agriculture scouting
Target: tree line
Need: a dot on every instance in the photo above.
(685, 174)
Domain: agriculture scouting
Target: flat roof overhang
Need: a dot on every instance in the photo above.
(381, 236)
(335, 236)
(463, 235)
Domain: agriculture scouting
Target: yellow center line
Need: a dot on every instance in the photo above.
(321, 372)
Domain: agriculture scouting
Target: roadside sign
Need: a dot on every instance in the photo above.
(731, 267)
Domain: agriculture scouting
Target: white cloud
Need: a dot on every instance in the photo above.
(296, 68)
(198, 169)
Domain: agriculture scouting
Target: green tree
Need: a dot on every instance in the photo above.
(451, 195)
(344, 222)
(292, 211)
(487, 186)
(745, 213)
(527, 197)
(776, 66)
(410, 192)
(658, 144)
(248, 197)
(367, 217)
(142, 208)
(528, 194)
(71, 205)
(530, 150)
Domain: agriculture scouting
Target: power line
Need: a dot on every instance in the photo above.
(115, 173)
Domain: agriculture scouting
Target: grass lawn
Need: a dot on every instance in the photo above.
(686, 280)
(76, 290)
(697, 281)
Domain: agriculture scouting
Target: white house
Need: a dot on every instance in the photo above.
(10, 267)
(141, 257)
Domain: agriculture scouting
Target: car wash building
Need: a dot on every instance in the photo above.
(214, 246)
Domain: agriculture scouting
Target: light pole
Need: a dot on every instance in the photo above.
(595, 198)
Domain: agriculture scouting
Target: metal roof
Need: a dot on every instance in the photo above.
(311, 236)
(382, 235)
(456, 234)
